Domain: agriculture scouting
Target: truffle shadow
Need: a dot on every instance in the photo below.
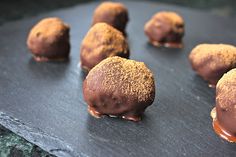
(197, 87)
(122, 135)
(48, 70)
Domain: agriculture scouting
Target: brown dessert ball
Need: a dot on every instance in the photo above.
(165, 29)
(112, 13)
(224, 114)
(102, 41)
(211, 61)
(119, 87)
(49, 40)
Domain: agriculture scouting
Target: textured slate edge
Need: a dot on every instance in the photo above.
(37, 136)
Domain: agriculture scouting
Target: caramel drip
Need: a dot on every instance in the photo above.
(219, 130)
(222, 133)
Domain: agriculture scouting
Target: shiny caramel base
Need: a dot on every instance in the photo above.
(219, 130)
(96, 114)
(211, 85)
(45, 59)
(167, 44)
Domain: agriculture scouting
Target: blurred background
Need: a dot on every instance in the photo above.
(15, 9)
(12, 145)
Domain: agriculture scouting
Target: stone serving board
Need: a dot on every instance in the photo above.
(43, 102)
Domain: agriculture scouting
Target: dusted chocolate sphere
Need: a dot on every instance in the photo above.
(165, 29)
(102, 41)
(49, 40)
(224, 117)
(211, 61)
(114, 14)
(119, 87)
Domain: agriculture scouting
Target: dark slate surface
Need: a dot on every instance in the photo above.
(43, 101)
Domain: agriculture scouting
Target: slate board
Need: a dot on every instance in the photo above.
(43, 103)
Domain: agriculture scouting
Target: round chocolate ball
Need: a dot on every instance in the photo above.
(49, 40)
(165, 29)
(112, 13)
(119, 87)
(211, 61)
(102, 41)
(224, 114)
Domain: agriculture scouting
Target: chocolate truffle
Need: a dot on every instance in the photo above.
(49, 40)
(114, 14)
(119, 87)
(211, 61)
(165, 29)
(224, 114)
(102, 41)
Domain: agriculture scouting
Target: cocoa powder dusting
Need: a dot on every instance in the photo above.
(132, 77)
